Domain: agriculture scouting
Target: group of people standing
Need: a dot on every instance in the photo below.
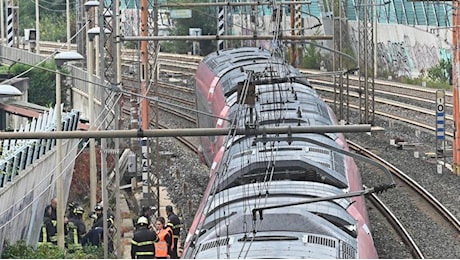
(75, 232)
(74, 226)
(159, 240)
(151, 240)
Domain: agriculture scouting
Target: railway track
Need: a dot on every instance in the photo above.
(390, 87)
(397, 225)
(189, 144)
(389, 96)
(417, 112)
(430, 202)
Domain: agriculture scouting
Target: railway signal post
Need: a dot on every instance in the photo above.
(440, 125)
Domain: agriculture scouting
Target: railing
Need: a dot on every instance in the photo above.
(16, 155)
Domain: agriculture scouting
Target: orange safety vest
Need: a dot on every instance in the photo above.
(161, 247)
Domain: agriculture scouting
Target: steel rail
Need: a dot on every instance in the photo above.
(397, 225)
(440, 208)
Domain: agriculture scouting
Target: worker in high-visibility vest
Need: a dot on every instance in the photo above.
(48, 231)
(165, 245)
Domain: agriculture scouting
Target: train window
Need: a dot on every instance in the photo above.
(6, 145)
(322, 109)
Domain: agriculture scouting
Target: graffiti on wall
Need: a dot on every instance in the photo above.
(403, 59)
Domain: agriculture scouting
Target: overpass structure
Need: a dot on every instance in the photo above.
(407, 37)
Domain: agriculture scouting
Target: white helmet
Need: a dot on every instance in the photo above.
(142, 221)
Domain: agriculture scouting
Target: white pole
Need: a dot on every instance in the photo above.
(37, 27)
(68, 23)
(375, 38)
(2, 20)
(60, 177)
(92, 123)
(96, 44)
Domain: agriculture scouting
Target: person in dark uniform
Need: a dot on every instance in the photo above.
(175, 224)
(97, 216)
(48, 231)
(71, 208)
(143, 242)
(94, 235)
(147, 213)
(76, 229)
(50, 210)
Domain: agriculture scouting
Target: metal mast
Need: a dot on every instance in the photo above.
(296, 29)
(366, 60)
(456, 82)
(110, 72)
(341, 40)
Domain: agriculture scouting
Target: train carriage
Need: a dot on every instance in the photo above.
(269, 171)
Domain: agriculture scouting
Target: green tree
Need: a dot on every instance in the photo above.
(204, 18)
(52, 18)
(42, 83)
(442, 72)
(312, 57)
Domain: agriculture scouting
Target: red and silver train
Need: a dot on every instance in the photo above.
(251, 88)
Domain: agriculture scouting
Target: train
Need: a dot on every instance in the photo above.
(260, 198)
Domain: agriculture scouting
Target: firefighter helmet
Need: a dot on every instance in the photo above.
(142, 221)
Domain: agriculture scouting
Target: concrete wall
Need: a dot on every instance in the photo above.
(401, 50)
(23, 200)
(406, 50)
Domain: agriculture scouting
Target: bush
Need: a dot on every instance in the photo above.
(17, 251)
(21, 250)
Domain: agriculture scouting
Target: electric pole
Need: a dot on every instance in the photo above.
(455, 81)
